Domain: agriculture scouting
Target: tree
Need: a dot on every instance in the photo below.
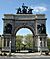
(48, 43)
(18, 41)
(29, 39)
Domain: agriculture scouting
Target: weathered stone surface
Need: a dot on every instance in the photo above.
(29, 21)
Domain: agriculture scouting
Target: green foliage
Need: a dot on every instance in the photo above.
(48, 43)
(18, 41)
(28, 41)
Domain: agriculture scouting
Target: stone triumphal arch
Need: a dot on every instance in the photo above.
(25, 19)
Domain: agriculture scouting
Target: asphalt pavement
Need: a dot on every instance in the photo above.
(26, 56)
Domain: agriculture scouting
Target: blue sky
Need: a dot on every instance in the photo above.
(40, 6)
(24, 31)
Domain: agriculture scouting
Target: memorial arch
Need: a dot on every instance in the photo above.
(25, 19)
(30, 21)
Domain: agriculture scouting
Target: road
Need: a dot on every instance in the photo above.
(26, 56)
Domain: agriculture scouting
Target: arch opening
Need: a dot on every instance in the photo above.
(24, 39)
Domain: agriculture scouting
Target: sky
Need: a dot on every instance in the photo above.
(39, 6)
(24, 31)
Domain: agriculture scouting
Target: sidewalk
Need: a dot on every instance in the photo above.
(27, 54)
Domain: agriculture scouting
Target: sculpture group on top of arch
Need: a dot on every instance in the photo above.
(24, 10)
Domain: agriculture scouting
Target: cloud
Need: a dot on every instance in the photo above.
(40, 9)
(49, 35)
